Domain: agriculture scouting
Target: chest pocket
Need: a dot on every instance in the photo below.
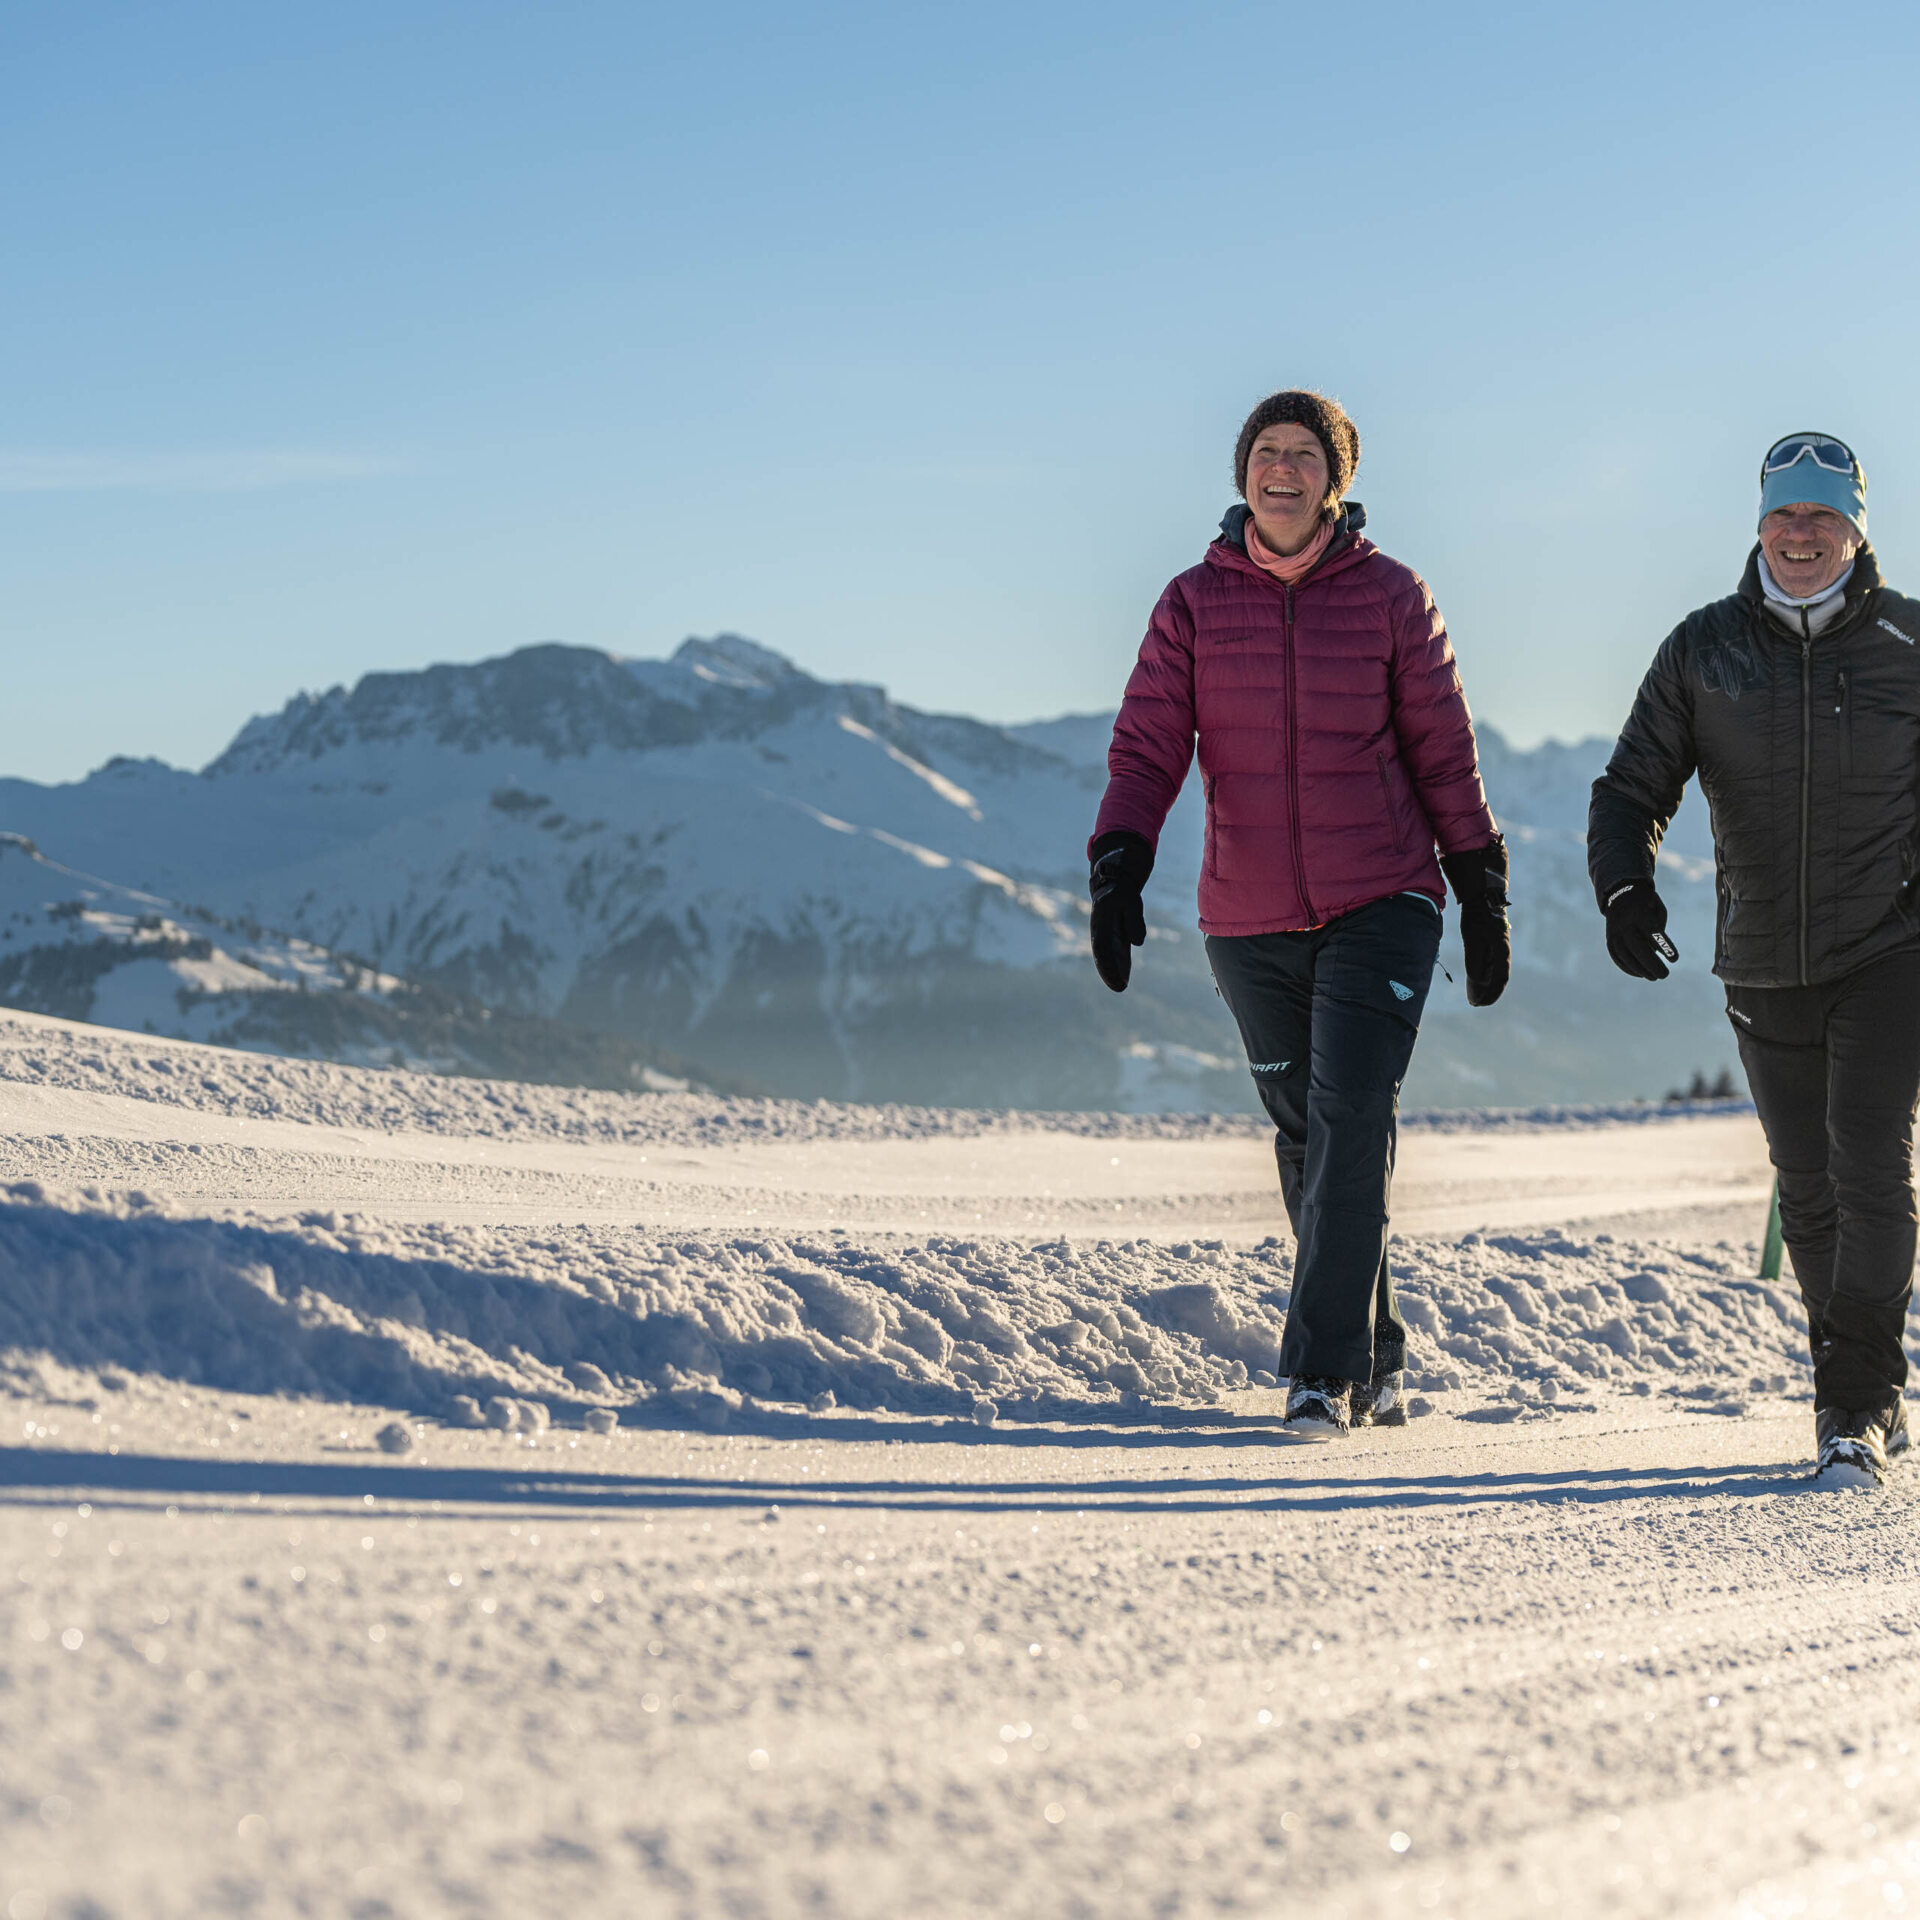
(1879, 731)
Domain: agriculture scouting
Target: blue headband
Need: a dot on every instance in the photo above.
(1806, 481)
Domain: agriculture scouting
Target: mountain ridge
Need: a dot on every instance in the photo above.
(75, 946)
(811, 886)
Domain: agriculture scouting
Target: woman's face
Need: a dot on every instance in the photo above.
(1287, 486)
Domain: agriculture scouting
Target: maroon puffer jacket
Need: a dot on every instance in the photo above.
(1335, 742)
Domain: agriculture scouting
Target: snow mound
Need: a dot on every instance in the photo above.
(447, 1319)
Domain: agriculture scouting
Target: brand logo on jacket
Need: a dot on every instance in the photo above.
(1728, 668)
(1895, 631)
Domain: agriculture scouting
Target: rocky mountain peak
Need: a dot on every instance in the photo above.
(732, 660)
(563, 701)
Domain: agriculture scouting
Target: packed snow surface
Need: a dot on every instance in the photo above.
(441, 1496)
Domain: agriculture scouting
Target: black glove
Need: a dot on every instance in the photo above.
(1479, 883)
(1122, 862)
(1637, 930)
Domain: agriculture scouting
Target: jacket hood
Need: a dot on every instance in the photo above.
(1233, 523)
(1230, 548)
(1866, 577)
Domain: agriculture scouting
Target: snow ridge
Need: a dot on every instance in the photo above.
(711, 1325)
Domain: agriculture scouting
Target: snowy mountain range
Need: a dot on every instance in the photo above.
(81, 948)
(808, 886)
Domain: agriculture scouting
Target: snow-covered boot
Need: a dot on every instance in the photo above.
(1382, 1402)
(1898, 1439)
(1318, 1406)
(1852, 1446)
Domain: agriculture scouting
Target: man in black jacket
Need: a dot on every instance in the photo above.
(1797, 702)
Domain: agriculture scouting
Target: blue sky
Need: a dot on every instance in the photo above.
(910, 341)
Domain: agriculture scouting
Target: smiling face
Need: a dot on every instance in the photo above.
(1287, 486)
(1807, 547)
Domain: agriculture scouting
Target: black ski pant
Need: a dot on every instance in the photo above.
(1329, 1018)
(1835, 1073)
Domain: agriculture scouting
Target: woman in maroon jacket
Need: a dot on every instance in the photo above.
(1336, 750)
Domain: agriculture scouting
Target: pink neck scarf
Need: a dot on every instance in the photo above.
(1289, 568)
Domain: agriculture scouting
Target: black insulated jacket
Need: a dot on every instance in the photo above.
(1808, 751)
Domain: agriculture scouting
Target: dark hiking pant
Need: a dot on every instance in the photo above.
(1835, 1073)
(1329, 1018)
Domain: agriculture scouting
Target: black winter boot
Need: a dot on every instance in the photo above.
(1382, 1402)
(1319, 1406)
(1852, 1444)
(1898, 1439)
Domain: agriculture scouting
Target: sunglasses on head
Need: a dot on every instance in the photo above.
(1821, 448)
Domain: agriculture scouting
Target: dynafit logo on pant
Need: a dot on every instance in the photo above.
(1400, 992)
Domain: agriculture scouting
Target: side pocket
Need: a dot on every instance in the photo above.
(1386, 800)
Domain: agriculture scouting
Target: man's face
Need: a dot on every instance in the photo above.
(1807, 547)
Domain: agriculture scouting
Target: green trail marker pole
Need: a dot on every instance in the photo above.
(1770, 1247)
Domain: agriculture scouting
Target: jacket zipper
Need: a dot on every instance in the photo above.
(1845, 710)
(1846, 624)
(1806, 790)
(1293, 769)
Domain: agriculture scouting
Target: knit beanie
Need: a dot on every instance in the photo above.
(1804, 481)
(1325, 419)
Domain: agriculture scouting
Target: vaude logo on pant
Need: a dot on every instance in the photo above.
(1400, 992)
(1745, 1019)
(1270, 1066)
(1895, 631)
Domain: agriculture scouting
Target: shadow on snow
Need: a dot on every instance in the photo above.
(25, 1471)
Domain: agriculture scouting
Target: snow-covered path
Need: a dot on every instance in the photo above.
(1044, 1617)
(1596, 1666)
